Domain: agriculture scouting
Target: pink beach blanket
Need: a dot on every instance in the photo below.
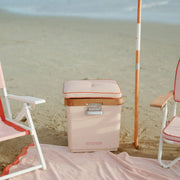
(102, 165)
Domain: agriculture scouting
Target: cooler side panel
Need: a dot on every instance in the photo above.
(93, 132)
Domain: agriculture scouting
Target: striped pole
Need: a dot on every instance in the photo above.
(138, 42)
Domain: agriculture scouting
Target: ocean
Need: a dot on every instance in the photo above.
(164, 11)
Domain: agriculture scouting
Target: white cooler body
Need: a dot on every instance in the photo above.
(93, 122)
(93, 132)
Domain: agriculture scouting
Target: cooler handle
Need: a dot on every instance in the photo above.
(94, 109)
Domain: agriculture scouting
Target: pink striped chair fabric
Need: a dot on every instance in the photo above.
(177, 83)
(9, 130)
(172, 130)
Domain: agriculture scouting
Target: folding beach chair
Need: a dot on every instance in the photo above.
(12, 128)
(170, 130)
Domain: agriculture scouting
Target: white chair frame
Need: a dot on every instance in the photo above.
(168, 141)
(161, 102)
(29, 102)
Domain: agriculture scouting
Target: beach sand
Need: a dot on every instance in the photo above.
(39, 53)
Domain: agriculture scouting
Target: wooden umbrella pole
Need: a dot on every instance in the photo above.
(138, 42)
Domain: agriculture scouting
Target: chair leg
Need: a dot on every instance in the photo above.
(161, 143)
(161, 137)
(41, 157)
(34, 136)
(160, 155)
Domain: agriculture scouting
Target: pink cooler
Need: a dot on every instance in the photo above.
(93, 110)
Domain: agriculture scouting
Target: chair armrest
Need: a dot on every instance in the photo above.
(27, 99)
(161, 101)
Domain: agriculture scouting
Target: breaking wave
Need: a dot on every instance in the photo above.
(149, 5)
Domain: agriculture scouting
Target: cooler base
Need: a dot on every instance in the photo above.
(92, 150)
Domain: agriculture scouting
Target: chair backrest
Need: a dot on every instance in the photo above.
(176, 92)
(2, 116)
(3, 87)
(2, 82)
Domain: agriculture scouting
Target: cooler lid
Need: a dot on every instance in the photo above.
(91, 89)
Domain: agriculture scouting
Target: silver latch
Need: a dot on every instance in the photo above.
(94, 109)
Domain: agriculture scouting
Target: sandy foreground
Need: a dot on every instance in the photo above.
(39, 53)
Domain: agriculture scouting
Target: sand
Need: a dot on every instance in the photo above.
(39, 53)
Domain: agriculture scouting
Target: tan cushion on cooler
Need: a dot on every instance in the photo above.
(91, 89)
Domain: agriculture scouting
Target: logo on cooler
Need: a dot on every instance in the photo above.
(93, 143)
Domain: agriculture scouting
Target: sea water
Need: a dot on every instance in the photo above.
(166, 11)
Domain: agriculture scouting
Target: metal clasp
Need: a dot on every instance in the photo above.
(94, 109)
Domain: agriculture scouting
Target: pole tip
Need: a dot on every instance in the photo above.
(136, 146)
